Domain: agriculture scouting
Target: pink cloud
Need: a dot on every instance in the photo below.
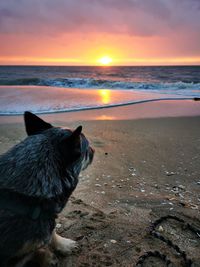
(134, 17)
(172, 25)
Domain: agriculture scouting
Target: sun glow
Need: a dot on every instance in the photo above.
(106, 60)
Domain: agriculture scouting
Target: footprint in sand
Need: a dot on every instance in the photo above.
(76, 214)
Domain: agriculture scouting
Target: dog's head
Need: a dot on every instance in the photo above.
(73, 148)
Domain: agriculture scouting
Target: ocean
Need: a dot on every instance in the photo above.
(46, 89)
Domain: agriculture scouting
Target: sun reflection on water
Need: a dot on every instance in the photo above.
(105, 96)
(105, 117)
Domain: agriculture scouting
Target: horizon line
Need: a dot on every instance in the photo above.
(102, 66)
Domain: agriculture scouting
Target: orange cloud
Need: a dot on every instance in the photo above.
(80, 32)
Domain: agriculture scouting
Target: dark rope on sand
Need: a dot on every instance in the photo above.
(157, 254)
(193, 229)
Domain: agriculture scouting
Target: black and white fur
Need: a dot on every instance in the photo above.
(41, 172)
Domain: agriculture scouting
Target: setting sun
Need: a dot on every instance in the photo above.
(106, 60)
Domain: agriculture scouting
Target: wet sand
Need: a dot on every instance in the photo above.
(159, 109)
(143, 169)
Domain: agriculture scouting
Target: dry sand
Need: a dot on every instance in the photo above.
(143, 169)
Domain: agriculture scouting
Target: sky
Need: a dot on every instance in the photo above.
(80, 32)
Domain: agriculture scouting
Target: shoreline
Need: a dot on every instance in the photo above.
(136, 102)
(153, 109)
(58, 100)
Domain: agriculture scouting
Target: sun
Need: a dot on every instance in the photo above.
(106, 60)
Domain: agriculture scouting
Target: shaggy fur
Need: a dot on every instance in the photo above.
(37, 176)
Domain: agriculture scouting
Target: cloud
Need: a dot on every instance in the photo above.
(133, 17)
(134, 28)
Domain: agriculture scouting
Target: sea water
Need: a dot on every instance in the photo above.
(46, 89)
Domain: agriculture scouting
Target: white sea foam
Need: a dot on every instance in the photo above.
(180, 88)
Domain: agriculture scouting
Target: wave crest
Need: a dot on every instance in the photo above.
(183, 88)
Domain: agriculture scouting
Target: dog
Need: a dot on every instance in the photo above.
(37, 177)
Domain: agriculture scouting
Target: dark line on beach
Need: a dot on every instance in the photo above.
(106, 106)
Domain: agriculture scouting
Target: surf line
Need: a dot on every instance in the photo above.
(103, 106)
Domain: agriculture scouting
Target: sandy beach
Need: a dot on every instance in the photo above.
(145, 167)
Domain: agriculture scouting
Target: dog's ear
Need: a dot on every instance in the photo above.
(71, 145)
(34, 124)
(75, 142)
(76, 134)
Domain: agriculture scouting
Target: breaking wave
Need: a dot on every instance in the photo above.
(180, 88)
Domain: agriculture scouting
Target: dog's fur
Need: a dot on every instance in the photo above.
(37, 176)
